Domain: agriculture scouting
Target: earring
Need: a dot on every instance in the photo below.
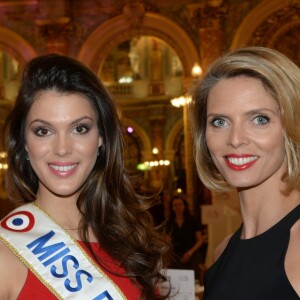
(27, 157)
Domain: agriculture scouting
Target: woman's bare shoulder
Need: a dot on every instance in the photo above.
(221, 247)
(12, 273)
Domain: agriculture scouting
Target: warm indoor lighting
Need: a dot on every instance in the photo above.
(129, 129)
(155, 150)
(180, 101)
(196, 70)
(183, 100)
(156, 163)
(3, 166)
(143, 167)
(126, 79)
(3, 154)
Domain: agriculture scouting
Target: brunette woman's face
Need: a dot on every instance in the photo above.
(244, 134)
(178, 206)
(62, 141)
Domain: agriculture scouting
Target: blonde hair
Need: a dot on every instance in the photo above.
(281, 78)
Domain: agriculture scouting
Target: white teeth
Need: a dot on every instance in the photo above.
(238, 161)
(63, 168)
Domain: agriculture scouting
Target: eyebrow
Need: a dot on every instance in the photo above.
(261, 110)
(248, 113)
(72, 123)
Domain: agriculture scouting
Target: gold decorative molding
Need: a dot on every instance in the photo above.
(207, 15)
(118, 29)
(173, 134)
(55, 32)
(287, 41)
(16, 46)
(276, 25)
(257, 25)
(135, 11)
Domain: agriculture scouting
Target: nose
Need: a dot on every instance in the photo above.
(63, 145)
(237, 136)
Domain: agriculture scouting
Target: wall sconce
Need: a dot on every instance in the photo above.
(196, 70)
(183, 100)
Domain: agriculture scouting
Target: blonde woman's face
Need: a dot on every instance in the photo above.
(244, 134)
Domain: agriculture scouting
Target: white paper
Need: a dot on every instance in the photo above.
(182, 284)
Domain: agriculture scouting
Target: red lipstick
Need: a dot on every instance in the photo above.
(240, 162)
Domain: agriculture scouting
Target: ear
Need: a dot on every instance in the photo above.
(26, 148)
(100, 141)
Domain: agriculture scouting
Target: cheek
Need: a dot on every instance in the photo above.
(88, 149)
(272, 143)
(212, 143)
(35, 151)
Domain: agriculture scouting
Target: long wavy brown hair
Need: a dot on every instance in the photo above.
(108, 202)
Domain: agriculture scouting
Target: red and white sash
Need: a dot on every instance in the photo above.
(55, 257)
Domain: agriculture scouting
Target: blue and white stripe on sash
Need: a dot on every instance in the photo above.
(54, 257)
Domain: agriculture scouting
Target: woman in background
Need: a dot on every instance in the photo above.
(186, 236)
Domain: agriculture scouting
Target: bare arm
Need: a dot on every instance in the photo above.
(12, 274)
(199, 241)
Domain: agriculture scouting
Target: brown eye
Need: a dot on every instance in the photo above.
(81, 129)
(41, 131)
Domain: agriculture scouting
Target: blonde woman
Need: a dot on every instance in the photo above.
(246, 122)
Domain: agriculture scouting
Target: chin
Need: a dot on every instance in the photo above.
(65, 193)
(245, 186)
(240, 184)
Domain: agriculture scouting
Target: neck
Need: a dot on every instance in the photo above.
(68, 215)
(261, 209)
(179, 217)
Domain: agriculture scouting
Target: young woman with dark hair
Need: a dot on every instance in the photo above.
(87, 234)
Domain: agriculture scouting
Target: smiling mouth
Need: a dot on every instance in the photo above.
(239, 161)
(63, 168)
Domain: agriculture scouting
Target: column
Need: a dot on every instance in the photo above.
(157, 172)
(211, 34)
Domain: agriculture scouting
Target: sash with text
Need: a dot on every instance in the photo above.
(54, 257)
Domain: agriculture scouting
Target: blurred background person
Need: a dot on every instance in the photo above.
(186, 236)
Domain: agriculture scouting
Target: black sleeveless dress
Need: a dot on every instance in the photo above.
(253, 269)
